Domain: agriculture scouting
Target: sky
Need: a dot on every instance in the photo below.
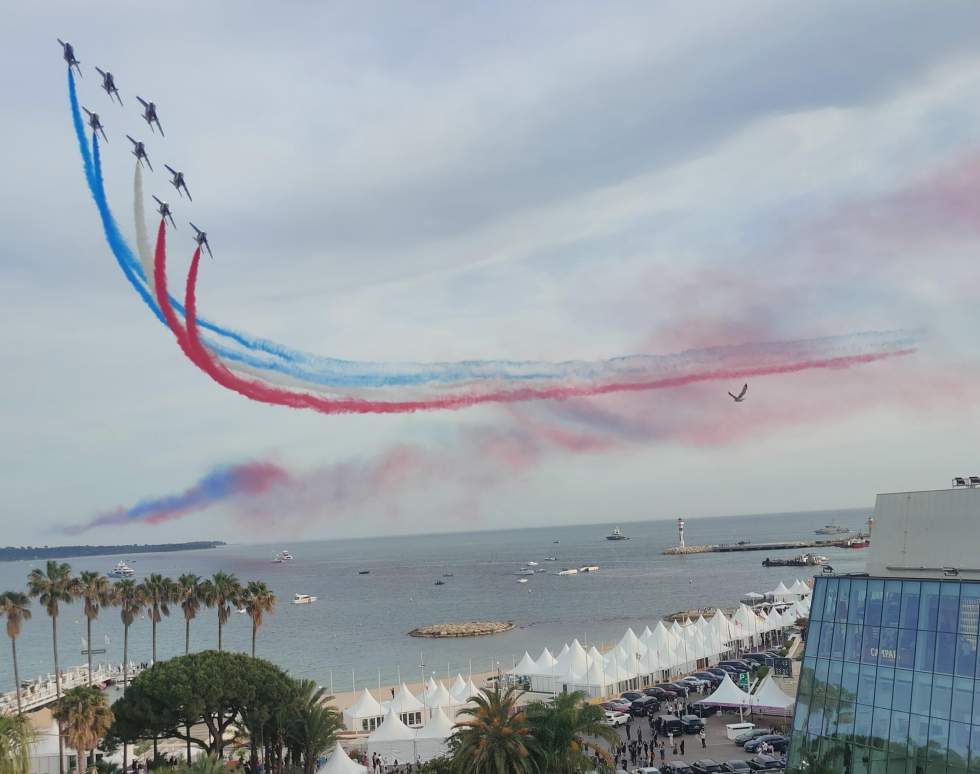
(444, 181)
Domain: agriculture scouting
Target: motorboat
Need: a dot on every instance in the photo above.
(283, 556)
(440, 583)
(589, 568)
(803, 560)
(522, 580)
(831, 529)
(571, 571)
(363, 572)
(857, 542)
(303, 599)
(551, 558)
(121, 570)
(525, 571)
(616, 534)
(532, 564)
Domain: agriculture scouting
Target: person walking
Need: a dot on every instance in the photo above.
(704, 740)
(682, 746)
(629, 731)
(663, 753)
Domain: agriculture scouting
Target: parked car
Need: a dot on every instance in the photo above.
(706, 766)
(644, 707)
(696, 682)
(646, 770)
(758, 658)
(681, 689)
(714, 679)
(677, 767)
(616, 705)
(777, 741)
(739, 767)
(672, 725)
(691, 724)
(738, 666)
(726, 670)
(672, 691)
(748, 736)
(658, 693)
(632, 695)
(615, 719)
(704, 710)
(764, 763)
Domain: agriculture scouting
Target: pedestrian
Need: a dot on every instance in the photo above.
(629, 731)
(670, 738)
(682, 746)
(663, 752)
(639, 734)
(704, 741)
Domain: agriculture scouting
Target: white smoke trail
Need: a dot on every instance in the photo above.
(139, 216)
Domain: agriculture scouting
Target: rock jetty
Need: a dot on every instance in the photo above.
(469, 629)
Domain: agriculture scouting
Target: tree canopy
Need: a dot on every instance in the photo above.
(212, 687)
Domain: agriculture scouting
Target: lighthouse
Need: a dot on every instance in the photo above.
(680, 533)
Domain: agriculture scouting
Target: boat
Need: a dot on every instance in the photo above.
(556, 542)
(121, 570)
(589, 568)
(551, 558)
(571, 571)
(440, 583)
(532, 564)
(283, 556)
(522, 580)
(363, 572)
(803, 560)
(525, 571)
(303, 599)
(831, 529)
(447, 575)
(857, 542)
(616, 534)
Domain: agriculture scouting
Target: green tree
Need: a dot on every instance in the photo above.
(313, 726)
(157, 592)
(94, 589)
(257, 599)
(85, 718)
(53, 586)
(126, 595)
(205, 764)
(222, 591)
(189, 594)
(16, 608)
(494, 737)
(210, 687)
(560, 728)
(16, 737)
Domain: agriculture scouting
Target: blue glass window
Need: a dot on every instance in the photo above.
(949, 607)
(834, 674)
(976, 706)
(866, 685)
(921, 693)
(830, 605)
(945, 652)
(806, 676)
(966, 654)
(942, 695)
(845, 719)
(862, 725)
(884, 687)
(890, 612)
(906, 648)
(975, 748)
(837, 645)
(902, 696)
(959, 745)
(816, 601)
(849, 682)
(962, 705)
(852, 646)
(888, 646)
(925, 650)
(929, 605)
(899, 732)
(826, 639)
(855, 608)
(938, 740)
(869, 646)
(910, 604)
(918, 734)
(879, 727)
(843, 595)
(876, 593)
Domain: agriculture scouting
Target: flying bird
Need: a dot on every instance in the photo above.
(164, 209)
(69, 54)
(95, 123)
(109, 85)
(741, 396)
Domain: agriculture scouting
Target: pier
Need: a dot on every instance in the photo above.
(722, 548)
(43, 691)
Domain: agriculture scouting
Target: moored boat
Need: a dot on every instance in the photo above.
(616, 534)
(303, 599)
(121, 570)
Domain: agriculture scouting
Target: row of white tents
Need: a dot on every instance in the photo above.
(367, 713)
(767, 696)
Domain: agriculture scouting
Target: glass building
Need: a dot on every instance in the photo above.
(890, 680)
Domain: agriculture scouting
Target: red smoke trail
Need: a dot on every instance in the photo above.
(190, 343)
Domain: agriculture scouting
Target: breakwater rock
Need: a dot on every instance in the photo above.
(468, 629)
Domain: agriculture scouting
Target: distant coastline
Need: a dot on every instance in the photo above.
(17, 553)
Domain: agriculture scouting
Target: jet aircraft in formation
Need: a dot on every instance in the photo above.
(150, 115)
(178, 181)
(109, 85)
(164, 209)
(139, 151)
(201, 237)
(69, 53)
(95, 123)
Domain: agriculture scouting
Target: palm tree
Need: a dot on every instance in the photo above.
(127, 597)
(94, 588)
(85, 717)
(188, 591)
(313, 726)
(495, 737)
(157, 592)
(206, 764)
(222, 591)
(560, 727)
(15, 607)
(53, 586)
(257, 599)
(16, 737)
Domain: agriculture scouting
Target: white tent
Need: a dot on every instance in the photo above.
(780, 593)
(728, 695)
(431, 738)
(800, 589)
(340, 763)
(364, 714)
(406, 705)
(768, 696)
(574, 659)
(544, 663)
(392, 740)
(525, 666)
(439, 697)
(430, 687)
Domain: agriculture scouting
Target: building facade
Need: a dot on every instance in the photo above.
(890, 681)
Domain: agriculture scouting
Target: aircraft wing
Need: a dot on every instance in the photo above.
(160, 128)
(100, 72)
(171, 169)
(131, 140)
(143, 102)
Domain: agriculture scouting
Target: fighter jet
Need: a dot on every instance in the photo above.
(164, 209)
(150, 114)
(69, 54)
(178, 181)
(201, 237)
(109, 85)
(139, 151)
(741, 396)
(95, 123)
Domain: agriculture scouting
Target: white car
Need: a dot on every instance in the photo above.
(616, 719)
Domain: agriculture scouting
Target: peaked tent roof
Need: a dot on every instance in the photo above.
(768, 695)
(800, 588)
(366, 706)
(526, 666)
(544, 662)
(391, 730)
(459, 685)
(430, 686)
(728, 695)
(405, 701)
(780, 592)
(340, 763)
(438, 727)
(440, 697)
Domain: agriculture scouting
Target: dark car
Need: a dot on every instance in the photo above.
(758, 658)
(748, 736)
(712, 678)
(632, 695)
(691, 724)
(738, 666)
(778, 742)
(644, 707)
(737, 766)
(706, 766)
(764, 762)
(670, 689)
(679, 688)
(726, 670)
(704, 710)
(678, 767)
(657, 693)
(672, 725)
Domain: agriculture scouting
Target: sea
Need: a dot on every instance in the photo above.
(356, 634)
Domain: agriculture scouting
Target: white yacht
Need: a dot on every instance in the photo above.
(303, 599)
(589, 568)
(616, 534)
(532, 564)
(121, 570)
(525, 571)
(571, 571)
(283, 556)
(522, 580)
(551, 558)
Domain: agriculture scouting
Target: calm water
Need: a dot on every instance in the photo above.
(360, 622)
